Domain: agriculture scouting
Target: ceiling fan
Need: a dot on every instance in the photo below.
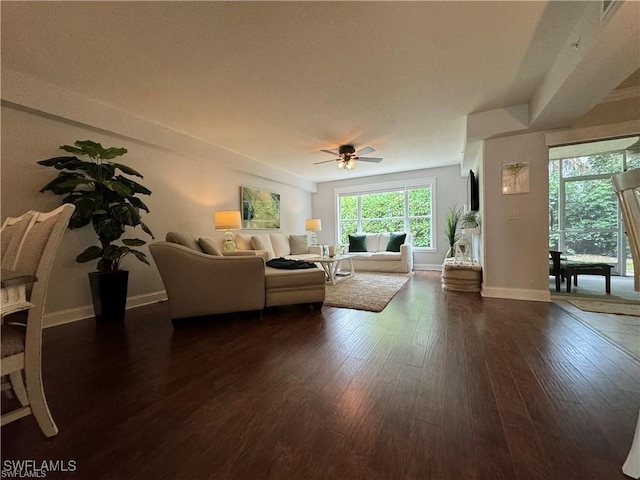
(347, 156)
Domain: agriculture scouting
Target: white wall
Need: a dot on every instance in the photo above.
(186, 190)
(515, 251)
(451, 188)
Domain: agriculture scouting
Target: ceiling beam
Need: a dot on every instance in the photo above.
(598, 55)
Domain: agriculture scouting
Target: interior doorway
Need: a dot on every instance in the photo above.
(584, 218)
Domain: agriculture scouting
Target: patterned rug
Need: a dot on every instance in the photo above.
(366, 291)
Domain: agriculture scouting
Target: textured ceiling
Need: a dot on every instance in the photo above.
(278, 81)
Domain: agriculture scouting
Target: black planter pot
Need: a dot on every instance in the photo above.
(109, 293)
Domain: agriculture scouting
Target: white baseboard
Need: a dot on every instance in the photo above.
(516, 294)
(74, 314)
(427, 266)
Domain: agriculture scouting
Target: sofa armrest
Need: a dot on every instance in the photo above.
(240, 253)
(199, 284)
(406, 254)
(315, 249)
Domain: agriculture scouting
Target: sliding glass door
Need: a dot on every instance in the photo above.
(584, 220)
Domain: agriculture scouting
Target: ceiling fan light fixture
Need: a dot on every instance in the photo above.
(347, 156)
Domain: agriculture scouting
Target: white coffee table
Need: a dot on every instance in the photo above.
(331, 266)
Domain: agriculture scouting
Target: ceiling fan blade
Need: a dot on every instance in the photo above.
(335, 154)
(365, 150)
(326, 161)
(369, 159)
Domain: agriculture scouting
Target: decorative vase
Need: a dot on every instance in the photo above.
(109, 294)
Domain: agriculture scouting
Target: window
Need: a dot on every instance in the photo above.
(583, 211)
(389, 207)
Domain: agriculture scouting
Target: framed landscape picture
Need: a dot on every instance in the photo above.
(260, 208)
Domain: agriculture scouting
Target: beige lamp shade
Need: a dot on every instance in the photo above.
(313, 225)
(228, 220)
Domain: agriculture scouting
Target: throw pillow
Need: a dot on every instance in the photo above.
(373, 242)
(184, 239)
(243, 241)
(209, 247)
(357, 243)
(395, 240)
(263, 242)
(280, 244)
(298, 244)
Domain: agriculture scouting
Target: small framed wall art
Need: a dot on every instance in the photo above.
(515, 178)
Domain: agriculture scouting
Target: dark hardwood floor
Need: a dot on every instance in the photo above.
(440, 385)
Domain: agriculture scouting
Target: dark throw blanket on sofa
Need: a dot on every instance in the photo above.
(288, 264)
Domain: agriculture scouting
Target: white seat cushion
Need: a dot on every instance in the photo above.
(362, 256)
(386, 256)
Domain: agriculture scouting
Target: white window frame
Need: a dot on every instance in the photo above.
(621, 268)
(383, 187)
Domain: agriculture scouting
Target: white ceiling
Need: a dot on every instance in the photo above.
(278, 81)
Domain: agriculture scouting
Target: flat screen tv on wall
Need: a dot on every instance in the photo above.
(473, 192)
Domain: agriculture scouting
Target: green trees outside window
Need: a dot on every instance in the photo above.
(398, 210)
(583, 211)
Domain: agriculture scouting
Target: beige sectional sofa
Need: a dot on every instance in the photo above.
(266, 245)
(377, 259)
(199, 283)
(276, 244)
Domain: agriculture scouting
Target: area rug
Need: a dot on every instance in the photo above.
(598, 306)
(365, 291)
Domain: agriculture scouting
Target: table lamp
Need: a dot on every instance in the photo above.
(313, 225)
(228, 220)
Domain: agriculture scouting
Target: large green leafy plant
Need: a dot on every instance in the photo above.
(104, 197)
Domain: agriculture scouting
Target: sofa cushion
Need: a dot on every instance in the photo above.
(357, 243)
(184, 239)
(395, 240)
(298, 244)
(384, 241)
(386, 256)
(377, 256)
(243, 241)
(373, 242)
(303, 256)
(362, 256)
(280, 243)
(209, 247)
(263, 242)
(277, 278)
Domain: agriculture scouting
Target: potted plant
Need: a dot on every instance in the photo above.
(451, 227)
(470, 221)
(107, 199)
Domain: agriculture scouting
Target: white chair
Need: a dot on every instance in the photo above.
(627, 186)
(22, 344)
(11, 235)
